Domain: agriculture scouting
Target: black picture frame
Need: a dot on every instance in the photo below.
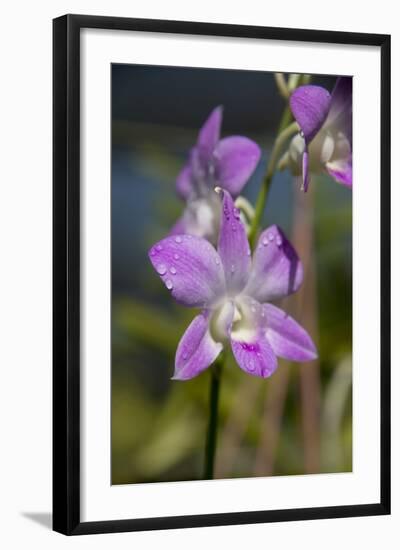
(66, 273)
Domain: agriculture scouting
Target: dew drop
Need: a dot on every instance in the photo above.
(168, 284)
(153, 252)
(184, 356)
(178, 239)
(161, 269)
(172, 270)
(251, 366)
(233, 225)
(159, 247)
(279, 240)
(176, 256)
(271, 236)
(265, 241)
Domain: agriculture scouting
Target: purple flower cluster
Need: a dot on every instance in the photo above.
(206, 262)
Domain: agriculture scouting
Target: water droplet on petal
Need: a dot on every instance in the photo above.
(178, 239)
(271, 237)
(168, 284)
(176, 256)
(159, 247)
(279, 240)
(161, 269)
(217, 261)
(184, 356)
(172, 270)
(251, 366)
(153, 252)
(265, 241)
(233, 225)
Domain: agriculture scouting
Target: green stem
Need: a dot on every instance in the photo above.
(286, 119)
(211, 441)
(280, 141)
(282, 85)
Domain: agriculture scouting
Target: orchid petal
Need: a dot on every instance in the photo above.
(310, 106)
(341, 171)
(233, 246)
(184, 186)
(196, 349)
(340, 113)
(287, 338)
(190, 268)
(236, 158)
(209, 135)
(340, 165)
(277, 270)
(256, 357)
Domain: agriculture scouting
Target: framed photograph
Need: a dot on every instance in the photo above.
(221, 274)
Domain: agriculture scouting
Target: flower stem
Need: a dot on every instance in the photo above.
(282, 85)
(280, 141)
(211, 441)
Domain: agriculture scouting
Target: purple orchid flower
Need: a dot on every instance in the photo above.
(227, 162)
(325, 141)
(232, 289)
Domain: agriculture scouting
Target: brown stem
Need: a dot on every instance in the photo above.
(272, 421)
(309, 373)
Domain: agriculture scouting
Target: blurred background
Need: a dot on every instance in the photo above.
(298, 421)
